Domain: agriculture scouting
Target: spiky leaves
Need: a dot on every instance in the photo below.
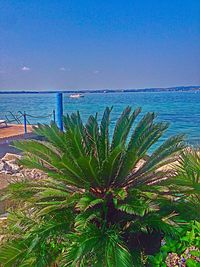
(85, 157)
(186, 183)
(97, 192)
(96, 247)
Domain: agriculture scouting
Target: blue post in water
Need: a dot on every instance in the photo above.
(59, 110)
(54, 116)
(25, 123)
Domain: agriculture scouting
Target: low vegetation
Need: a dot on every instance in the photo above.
(109, 200)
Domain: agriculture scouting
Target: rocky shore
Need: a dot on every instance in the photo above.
(11, 171)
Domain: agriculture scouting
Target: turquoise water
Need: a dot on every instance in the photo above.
(181, 109)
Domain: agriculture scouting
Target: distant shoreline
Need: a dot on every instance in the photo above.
(169, 89)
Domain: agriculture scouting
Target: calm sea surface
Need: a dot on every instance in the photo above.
(181, 109)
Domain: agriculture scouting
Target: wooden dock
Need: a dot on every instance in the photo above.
(13, 130)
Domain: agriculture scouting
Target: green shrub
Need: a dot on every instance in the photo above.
(184, 250)
(107, 201)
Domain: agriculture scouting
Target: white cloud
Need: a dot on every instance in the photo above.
(25, 68)
(64, 69)
(96, 71)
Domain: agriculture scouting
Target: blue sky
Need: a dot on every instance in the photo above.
(77, 44)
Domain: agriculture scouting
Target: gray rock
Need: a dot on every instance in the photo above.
(1, 166)
(7, 168)
(9, 157)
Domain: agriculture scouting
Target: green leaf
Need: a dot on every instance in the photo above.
(104, 135)
(117, 255)
(12, 252)
(88, 201)
(123, 126)
(192, 263)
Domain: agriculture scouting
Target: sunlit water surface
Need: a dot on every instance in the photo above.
(181, 109)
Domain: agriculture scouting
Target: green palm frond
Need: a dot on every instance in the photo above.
(104, 142)
(101, 191)
(117, 253)
(189, 171)
(96, 248)
(123, 127)
(53, 135)
(83, 219)
(88, 201)
(137, 203)
(12, 252)
(84, 155)
(138, 207)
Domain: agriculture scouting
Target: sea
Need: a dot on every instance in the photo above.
(180, 109)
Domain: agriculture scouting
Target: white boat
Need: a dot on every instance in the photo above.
(76, 96)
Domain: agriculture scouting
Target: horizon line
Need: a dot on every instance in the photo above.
(98, 89)
(150, 89)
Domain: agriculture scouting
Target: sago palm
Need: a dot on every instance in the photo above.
(186, 183)
(102, 204)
